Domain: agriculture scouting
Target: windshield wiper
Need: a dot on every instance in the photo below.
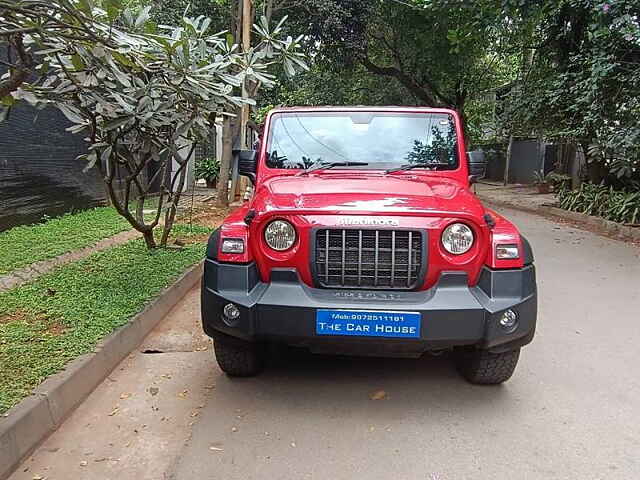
(327, 165)
(411, 166)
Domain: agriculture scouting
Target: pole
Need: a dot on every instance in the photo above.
(244, 109)
(246, 45)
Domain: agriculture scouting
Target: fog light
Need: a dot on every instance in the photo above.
(233, 245)
(231, 312)
(507, 252)
(509, 321)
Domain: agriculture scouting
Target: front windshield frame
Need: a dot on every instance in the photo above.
(453, 151)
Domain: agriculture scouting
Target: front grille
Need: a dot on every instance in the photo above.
(352, 258)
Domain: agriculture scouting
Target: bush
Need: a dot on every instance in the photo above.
(606, 202)
(208, 169)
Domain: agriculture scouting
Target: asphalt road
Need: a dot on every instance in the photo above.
(570, 412)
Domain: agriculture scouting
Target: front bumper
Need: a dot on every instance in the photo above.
(453, 314)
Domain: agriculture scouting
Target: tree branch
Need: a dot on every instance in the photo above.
(22, 70)
(408, 82)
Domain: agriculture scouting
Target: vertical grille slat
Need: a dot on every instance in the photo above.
(344, 249)
(359, 257)
(393, 257)
(368, 258)
(375, 275)
(409, 259)
(326, 258)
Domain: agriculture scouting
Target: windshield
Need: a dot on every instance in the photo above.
(381, 139)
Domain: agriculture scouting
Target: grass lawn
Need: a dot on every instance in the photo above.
(27, 244)
(64, 313)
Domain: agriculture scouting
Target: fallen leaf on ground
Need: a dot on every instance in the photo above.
(84, 463)
(216, 449)
(183, 394)
(293, 444)
(37, 477)
(234, 429)
(378, 395)
(153, 391)
(124, 396)
(195, 414)
(209, 387)
(114, 411)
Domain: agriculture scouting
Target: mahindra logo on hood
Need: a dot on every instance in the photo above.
(368, 222)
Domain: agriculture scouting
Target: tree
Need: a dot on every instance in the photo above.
(142, 97)
(440, 52)
(583, 83)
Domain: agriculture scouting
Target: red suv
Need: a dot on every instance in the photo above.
(362, 237)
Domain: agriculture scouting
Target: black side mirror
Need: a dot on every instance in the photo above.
(477, 165)
(247, 163)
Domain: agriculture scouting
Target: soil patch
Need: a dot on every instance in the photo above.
(17, 316)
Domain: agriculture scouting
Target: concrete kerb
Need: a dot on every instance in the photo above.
(613, 229)
(30, 422)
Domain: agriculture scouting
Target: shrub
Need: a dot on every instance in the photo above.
(208, 169)
(606, 202)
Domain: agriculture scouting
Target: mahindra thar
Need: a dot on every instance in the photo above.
(362, 237)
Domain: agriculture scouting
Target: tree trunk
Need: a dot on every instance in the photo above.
(225, 162)
(175, 193)
(149, 240)
(507, 163)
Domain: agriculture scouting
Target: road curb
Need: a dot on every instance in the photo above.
(30, 422)
(610, 228)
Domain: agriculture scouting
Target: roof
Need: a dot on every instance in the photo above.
(363, 108)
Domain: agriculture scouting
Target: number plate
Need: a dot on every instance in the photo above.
(368, 323)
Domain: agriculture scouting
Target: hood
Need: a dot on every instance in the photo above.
(401, 194)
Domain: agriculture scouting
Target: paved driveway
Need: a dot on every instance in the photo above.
(570, 411)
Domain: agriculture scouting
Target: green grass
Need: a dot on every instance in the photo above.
(64, 313)
(27, 244)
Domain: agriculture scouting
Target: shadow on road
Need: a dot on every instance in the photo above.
(296, 378)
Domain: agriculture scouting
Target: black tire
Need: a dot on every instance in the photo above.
(239, 359)
(485, 368)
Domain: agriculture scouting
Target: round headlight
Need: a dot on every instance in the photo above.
(457, 238)
(280, 235)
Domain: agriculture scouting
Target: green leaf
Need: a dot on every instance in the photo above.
(86, 6)
(72, 114)
(91, 161)
(77, 62)
(230, 40)
(7, 101)
(143, 17)
(115, 123)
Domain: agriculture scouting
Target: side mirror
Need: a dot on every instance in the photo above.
(477, 165)
(247, 161)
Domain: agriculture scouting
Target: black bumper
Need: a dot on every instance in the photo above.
(453, 314)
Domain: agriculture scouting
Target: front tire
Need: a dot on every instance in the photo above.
(482, 367)
(238, 358)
